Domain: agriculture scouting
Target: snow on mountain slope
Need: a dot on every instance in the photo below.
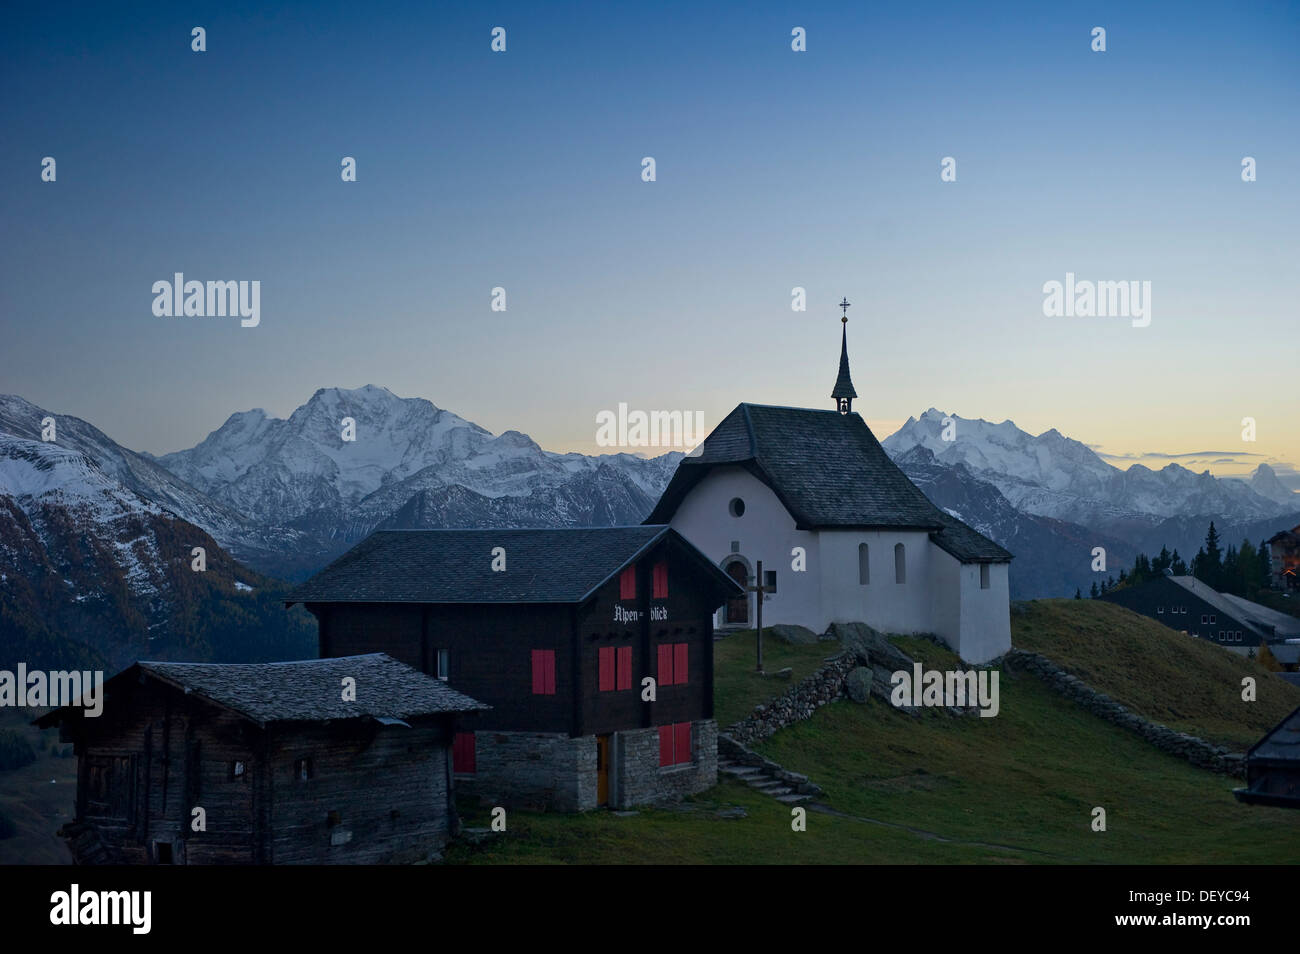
(301, 471)
(1055, 476)
(1264, 482)
(137, 473)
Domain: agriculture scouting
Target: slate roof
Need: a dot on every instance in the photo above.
(455, 566)
(829, 471)
(1220, 602)
(307, 691)
(1283, 742)
(1281, 624)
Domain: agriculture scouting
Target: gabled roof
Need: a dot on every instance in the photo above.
(306, 691)
(1282, 741)
(829, 471)
(455, 566)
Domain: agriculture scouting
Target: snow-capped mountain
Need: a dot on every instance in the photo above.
(92, 573)
(140, 475)
(410, 464)
(1054, 476)
(1052, 557)
(1264, 482)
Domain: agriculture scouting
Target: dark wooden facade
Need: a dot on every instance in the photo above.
(314, 791)
(489, 647)
(1198, 611)
(1273, 767)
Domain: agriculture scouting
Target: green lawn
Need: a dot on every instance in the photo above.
(1187, 684)
(1017, 788)
(737, 686)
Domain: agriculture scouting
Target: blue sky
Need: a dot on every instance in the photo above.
(775, 169)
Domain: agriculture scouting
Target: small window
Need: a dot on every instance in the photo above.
(543, 661)
(864, 565)
(1160, 611)
(1204, 619)
(900, 564)
(444, 668)
(627, 583)
(660, 591)
(237, 770)
(1213, 618)
(984, 576)
(769, 581)
(736, 507)
(1221, 639)
(303, 770)
(672, 664)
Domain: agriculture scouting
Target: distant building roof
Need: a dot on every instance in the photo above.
(455, 566)
(829, 471)
(1220, 602)
(306, 691)
(1282, 624)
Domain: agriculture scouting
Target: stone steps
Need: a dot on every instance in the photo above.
(761, 780)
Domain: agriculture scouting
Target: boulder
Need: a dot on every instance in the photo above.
(870, 646)
(858, 683)
(792, 634)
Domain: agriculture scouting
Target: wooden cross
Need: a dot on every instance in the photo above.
(759, 592)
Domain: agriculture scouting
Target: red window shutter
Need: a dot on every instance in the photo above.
(544, 672)
(539, 673)
(463, 754)
(665, 664)
(665, 745)
(679, 662)
(625, 667)
(661, 581)
(606, 657)
(627, 583)
(682, 742)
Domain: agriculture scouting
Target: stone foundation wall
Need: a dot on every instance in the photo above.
(532, 770)
(639, 780)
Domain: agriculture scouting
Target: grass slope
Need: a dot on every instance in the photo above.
(1187, 684)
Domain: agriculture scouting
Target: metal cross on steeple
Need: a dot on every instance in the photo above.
(844, 306)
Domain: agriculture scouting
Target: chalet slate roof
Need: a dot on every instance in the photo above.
(1283, 742)
(455, 566)
(312, 690)
(829, 471)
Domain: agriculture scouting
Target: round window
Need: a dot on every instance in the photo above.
(737, 507)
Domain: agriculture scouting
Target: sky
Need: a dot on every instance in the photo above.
(774, 170)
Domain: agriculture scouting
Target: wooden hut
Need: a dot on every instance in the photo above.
(1273, 767)
(326, 761)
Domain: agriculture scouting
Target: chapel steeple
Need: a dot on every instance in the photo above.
(844, 393)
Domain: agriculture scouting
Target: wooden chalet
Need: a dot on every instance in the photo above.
(1273, 767)
(593, 647)
(193, 763)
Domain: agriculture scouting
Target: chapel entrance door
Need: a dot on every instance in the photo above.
(738, 609)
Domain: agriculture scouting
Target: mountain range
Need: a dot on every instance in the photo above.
(96, 538)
